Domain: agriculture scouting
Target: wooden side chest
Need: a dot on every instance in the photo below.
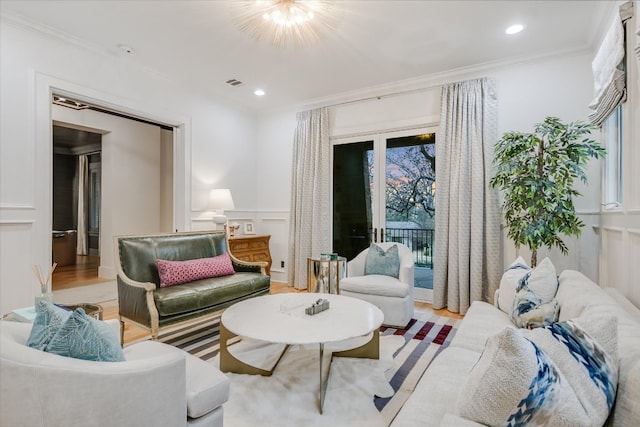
(251, 248)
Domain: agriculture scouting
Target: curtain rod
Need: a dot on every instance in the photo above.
(402, 92)
(388, 95)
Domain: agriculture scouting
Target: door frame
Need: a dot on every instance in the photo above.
(379, 141)
(45, 87)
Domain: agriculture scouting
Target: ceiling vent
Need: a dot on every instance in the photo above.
(234, 82)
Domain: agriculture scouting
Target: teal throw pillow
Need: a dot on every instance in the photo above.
(49, 318)
(379, 261)
(84, 337)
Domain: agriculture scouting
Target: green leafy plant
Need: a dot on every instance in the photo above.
(536, 172)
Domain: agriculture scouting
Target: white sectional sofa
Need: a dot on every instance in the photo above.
(434, 401)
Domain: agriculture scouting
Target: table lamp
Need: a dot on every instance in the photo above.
(219, 201)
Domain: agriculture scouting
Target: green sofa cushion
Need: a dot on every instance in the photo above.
(205, 293)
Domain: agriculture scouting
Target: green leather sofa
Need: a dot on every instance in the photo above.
(144, 303)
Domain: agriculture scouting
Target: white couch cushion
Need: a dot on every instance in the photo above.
(375, 284)
(516, 383)
(438, 389)
(576, 292)
(483, 321)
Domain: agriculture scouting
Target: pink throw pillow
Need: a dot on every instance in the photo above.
(176, 272)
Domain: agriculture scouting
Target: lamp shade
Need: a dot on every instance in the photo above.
(220, 199)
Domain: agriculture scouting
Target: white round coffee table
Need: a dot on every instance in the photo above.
(281, 319)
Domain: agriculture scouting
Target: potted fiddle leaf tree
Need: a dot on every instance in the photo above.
(536, 173)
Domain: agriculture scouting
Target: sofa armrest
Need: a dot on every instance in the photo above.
(135, 301)
(248, 266)
(355, 267)
(451, 420)
(74, 392)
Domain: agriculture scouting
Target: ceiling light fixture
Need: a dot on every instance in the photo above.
(285, 22)
(514, 29)
(258, 92)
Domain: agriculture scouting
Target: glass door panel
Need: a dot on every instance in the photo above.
(384, 190)
(409, 202)
(353, 214)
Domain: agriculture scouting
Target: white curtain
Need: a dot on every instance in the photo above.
(310, 214)
(467, 253)
(83, 193)
(608, 66)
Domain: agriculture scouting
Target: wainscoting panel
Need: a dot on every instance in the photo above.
(276, 223)
(614, 249)
(19, 285)
(634, 267)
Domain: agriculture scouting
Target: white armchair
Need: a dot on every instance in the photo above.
(393, 296)
(157, 385)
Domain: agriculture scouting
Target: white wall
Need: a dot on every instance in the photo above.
(219, 139)
(527, 93)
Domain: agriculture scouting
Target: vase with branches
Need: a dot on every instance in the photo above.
(536, 173)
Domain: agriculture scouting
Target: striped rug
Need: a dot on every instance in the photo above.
(426, 335)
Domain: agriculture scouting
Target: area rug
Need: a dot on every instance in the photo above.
(354, 383)
(93, 294)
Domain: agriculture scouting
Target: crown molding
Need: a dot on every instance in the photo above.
(19, 21)
(436, 80)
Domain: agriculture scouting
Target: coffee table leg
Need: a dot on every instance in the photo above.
(369, 350)
(323, 384)
(229, 363)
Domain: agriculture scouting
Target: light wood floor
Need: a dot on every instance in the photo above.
(85, 272)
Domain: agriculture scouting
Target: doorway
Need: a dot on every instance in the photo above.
(122, 169)
(75, 238)
(384, 190)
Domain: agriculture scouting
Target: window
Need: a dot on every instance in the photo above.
(612, 142)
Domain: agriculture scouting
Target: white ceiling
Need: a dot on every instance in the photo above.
(375, 42)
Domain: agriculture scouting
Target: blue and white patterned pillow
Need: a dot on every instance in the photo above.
(84, 337)
(515, 383)
(529, 312)
(509, 283)
(585, 351)
(49, 318)
(382, 262)
(542, 281)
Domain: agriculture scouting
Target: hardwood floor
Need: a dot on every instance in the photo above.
(83, 272)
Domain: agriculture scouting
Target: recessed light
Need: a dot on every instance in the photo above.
(514, 29)
(125, 48)
(259, 92)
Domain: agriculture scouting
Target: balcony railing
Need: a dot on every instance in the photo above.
(420, 241)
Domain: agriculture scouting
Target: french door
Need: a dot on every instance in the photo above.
(383, 190)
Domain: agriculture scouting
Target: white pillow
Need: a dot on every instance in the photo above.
(509, 283)
(516, 383)
(543, 281)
